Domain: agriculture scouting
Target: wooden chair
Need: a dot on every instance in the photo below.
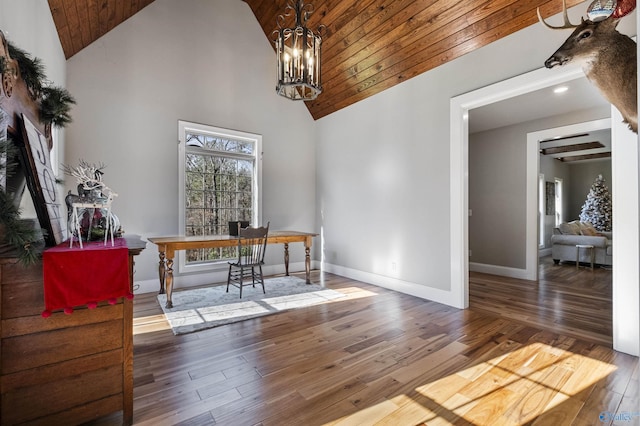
(252, 243)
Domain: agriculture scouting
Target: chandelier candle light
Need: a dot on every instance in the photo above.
(298, 55)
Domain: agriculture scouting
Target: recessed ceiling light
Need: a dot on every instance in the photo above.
(560, 89)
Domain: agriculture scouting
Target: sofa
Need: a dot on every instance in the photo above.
(567, 235)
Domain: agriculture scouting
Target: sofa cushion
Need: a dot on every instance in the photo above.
(573, 240)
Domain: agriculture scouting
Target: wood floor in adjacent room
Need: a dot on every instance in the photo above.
(572, 301)
(524, 353)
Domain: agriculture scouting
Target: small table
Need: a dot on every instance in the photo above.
(588, 247)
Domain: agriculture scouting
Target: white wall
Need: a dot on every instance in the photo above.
(206, 61)
(29, 26)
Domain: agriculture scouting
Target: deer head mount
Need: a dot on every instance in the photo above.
(607, 57)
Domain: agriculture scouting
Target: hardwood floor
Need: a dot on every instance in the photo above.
(574, 302)
(378, 357)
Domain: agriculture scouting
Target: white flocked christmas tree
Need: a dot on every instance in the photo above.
(597, 207)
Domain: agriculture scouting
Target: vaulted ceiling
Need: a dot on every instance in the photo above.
(368, 45)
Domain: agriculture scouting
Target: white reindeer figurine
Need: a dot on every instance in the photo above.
(607, 57)
(89, 178)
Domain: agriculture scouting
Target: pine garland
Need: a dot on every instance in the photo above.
(31, 70)
(17, 233)
(54, 102)
(55, 106)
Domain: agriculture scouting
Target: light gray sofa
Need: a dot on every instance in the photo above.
(568, 235)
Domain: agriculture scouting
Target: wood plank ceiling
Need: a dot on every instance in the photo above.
(368, 45)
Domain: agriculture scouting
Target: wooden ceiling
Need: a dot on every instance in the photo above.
(368, 45)
(81, 22)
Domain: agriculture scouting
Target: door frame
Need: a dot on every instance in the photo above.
(625, 310)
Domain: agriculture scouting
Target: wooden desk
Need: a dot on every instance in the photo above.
(167, 247)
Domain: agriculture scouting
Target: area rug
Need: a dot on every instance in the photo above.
(208, 307)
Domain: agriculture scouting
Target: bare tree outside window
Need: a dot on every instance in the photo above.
(219, 187)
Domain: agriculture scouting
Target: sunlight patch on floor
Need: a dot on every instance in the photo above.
(153, 323)
(512, 389)
(150, 324)
(354, 293)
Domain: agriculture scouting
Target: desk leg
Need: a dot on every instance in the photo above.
(307, 263)
(286, 259)
(161, 271)
(169, 282)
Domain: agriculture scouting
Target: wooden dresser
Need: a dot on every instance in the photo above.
(65, 369)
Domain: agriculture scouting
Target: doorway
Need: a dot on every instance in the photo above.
(625, 338)
(551, 188)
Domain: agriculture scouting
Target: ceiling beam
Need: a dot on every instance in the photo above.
(571, 148)
(585, 157)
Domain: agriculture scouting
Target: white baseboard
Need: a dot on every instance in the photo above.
(502, 271)
(544, 252)
(414, 289)
(213, 277)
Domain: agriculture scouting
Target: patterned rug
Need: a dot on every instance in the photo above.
(202, 308)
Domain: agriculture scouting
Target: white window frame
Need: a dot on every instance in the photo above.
(185, 127)
(542, 209)
(558, 201)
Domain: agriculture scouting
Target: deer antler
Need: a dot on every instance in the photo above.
(567, 24)
(87, 174)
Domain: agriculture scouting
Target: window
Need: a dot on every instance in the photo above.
(219, 173)
(558, 201)
(541, 209)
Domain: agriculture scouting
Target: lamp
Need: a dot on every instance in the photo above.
(298, 55)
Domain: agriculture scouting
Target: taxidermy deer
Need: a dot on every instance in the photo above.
(608, 58)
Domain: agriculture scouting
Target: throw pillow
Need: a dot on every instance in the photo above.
(570, 228)
(589, 231)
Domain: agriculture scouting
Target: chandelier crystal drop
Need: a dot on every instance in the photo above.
(298, 55)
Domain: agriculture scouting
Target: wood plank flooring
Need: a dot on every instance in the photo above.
(574, 302)
(377, 357)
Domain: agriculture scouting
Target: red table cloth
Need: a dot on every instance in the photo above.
(75, 277)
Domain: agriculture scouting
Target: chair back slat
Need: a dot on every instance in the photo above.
(252, 243)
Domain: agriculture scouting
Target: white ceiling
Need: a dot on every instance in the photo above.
(543, 103)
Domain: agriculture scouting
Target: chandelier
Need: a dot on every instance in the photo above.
(298, 55)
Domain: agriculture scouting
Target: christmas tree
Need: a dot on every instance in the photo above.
(597, 208)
